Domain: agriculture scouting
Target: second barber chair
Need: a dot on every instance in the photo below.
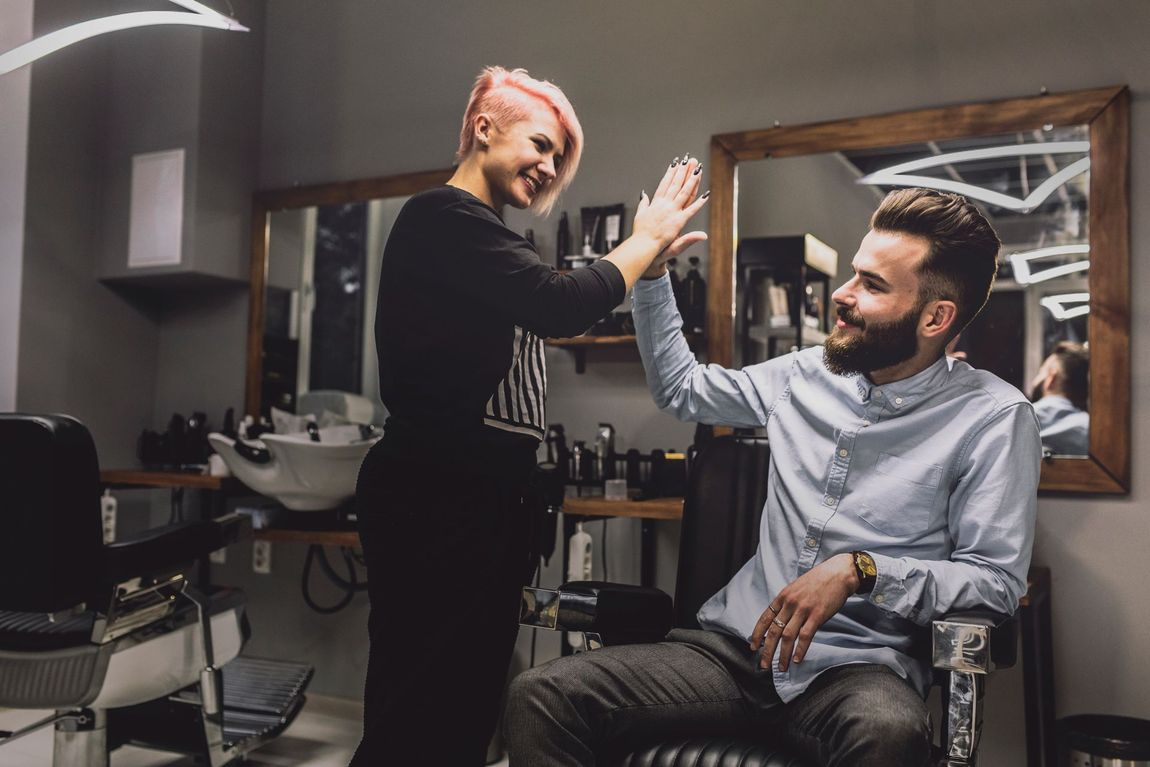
(115, 639)
(725, 496)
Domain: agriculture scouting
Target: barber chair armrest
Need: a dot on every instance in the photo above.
(618, 613)
(977, 641)
(172, 546)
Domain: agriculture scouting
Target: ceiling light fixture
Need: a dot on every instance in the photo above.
(900, 175)
(1020, 263)
(200, 16)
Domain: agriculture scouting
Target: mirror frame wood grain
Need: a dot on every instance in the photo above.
(266, 202)
(1107, 113)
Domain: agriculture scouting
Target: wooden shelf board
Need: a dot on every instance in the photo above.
(655, 508)
(565, 343)
(141, 478)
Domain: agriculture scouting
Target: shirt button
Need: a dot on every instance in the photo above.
(843, 453)
(878, 392)
(898, 400)
(879, 599)
(829, 501)
(811, 543)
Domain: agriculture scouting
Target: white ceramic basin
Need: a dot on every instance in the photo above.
(301, 474)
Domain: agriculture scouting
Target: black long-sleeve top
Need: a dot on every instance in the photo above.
(463, 303)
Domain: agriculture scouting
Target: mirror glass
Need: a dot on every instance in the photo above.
(322, 271)
(799, 221)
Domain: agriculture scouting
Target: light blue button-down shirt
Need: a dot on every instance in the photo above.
(935, 476)
(1065, 430)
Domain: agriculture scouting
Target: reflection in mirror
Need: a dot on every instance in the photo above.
(322, 271)
(1032, 186)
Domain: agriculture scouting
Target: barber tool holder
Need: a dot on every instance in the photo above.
(658, 474)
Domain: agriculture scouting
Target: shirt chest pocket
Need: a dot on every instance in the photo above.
(898, 497)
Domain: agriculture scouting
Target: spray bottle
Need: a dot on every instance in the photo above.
(578, 569)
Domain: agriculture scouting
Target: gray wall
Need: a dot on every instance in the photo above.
(364, 89)
(125, 358)
(14, 101)
(83, 348)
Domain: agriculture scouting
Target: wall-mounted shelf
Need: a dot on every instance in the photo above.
(581, 344)
(598, 506)
(130, 478)
(595, 506)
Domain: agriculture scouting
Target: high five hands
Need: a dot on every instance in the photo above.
(791, 619)
(663, 216)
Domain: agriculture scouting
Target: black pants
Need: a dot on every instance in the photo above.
(447, 556)
(571, 711)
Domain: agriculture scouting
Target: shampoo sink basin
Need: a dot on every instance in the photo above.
(301, 474)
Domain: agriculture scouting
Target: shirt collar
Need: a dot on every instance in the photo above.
(905, 391)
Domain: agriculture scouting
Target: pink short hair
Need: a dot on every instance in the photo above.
(508, 97)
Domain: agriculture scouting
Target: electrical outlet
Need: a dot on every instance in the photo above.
(262, 557)
(219, 556)
(108, 516)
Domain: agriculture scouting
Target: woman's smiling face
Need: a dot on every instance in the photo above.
(522, 158)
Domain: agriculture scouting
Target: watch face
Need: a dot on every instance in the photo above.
(866, 564)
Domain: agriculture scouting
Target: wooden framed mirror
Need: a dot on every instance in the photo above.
(345, 224)
(1094, 204)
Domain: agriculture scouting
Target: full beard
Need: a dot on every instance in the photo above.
(876, 346)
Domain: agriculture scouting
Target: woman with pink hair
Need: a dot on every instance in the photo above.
(463, 303)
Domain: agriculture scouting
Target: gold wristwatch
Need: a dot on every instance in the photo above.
(866, 570)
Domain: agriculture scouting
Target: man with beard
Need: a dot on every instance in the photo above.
(902, 486)
(1059, 393)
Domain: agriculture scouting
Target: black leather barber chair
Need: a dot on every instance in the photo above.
(725, 496)
(114, 638)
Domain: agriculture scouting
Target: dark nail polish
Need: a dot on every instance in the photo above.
(674, 162)
(699, 169)
(706, 194)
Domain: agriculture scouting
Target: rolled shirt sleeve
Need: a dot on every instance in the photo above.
(991, 521)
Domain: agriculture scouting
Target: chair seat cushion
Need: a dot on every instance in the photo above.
(710, 752)
(35, 631)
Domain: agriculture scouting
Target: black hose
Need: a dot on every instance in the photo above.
(351, 587)
(352, 583)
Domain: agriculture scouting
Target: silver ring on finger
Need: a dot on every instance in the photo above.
(779, 623)
(772, 609)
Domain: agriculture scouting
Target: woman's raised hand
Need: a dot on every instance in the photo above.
(663, 216)
(659, 220)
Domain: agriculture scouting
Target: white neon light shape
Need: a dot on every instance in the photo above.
(1020, 262)
(1059, 305)
(200, 16)
(900, 175)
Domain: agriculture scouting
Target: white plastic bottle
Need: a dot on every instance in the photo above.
(108, 516)
(579, 555)
(578, 569)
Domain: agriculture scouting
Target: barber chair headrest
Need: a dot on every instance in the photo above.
(50, 533)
